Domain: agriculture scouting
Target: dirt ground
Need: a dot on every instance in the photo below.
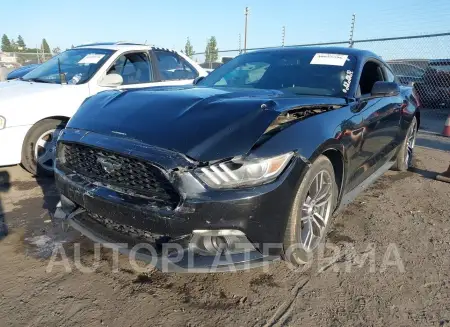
(400, 225)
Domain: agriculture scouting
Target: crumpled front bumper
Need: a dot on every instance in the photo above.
(169, 249)
(175, 257)
(259, 213)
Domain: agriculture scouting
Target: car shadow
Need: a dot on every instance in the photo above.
(5, 185)
(424, 173)
(435, 142)
(50, 194)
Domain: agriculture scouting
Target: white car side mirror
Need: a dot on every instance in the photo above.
(111, 80)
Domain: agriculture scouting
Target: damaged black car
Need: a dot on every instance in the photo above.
(246, 166)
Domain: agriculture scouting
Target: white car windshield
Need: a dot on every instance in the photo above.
(76, 65)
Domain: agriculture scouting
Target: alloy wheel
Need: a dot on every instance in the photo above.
(316, 210)
(45, 149)
(410, 143)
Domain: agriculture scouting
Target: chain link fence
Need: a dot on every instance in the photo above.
(419, 60)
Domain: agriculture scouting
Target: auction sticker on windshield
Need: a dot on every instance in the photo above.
(332, 59)
(91, 58)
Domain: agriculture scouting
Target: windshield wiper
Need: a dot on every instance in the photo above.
(37, 80)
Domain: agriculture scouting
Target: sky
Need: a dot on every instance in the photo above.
(169, 23)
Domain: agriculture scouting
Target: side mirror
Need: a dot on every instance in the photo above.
(111, 80)
(198, 79)
(385, 89)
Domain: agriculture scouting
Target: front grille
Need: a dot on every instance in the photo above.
(131, 174)
(135, 233)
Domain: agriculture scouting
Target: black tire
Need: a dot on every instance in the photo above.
(294, 251)
(29, 161)
(402, 162)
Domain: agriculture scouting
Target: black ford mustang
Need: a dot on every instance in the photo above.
(243, 167)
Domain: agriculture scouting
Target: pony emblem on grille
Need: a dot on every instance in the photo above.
(108, 164)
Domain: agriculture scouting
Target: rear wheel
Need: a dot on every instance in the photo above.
(406, 153)
(39, 148)
(313, 206)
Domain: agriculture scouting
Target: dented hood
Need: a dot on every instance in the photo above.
(203, 123)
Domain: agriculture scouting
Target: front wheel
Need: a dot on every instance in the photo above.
(406, 153)
(313, 206)
(39, 148)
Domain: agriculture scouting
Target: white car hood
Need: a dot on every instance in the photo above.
(17, 88)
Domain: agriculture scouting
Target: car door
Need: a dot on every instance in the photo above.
(378, 130)
(172, 69)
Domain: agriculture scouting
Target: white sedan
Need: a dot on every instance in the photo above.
(36, 107)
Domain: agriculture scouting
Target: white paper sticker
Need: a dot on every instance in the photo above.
(347, 81)
(332, 59)
(91, 58)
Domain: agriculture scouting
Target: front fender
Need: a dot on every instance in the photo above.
(309, 138)
(36, 105)
(312, 137)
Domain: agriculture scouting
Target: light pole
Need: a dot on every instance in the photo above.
(352, 29)
(245, 31)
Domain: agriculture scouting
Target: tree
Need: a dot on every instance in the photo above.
(6, 44)
(45, 47)
(56, 51)
(14, 47)
(211, 52)
(21, 43)
(189, 49)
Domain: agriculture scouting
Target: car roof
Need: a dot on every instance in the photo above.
(400, 63)
(113, 46)
(440, 61)
(120, 46)
(314, 49)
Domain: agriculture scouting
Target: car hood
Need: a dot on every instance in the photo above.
(16, 89)
(205, 124)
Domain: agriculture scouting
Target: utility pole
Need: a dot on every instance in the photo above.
(352, 29)
(37, 54)
(245, 31)
(283, 35)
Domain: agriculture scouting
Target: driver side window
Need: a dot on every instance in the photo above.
(135, 68)
(372, 72)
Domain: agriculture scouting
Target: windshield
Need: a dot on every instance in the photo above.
(441, 67)
(407, 70)
(301, 72)
(78, 66)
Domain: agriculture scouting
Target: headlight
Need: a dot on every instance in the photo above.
(2, 122)
(241, 171)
